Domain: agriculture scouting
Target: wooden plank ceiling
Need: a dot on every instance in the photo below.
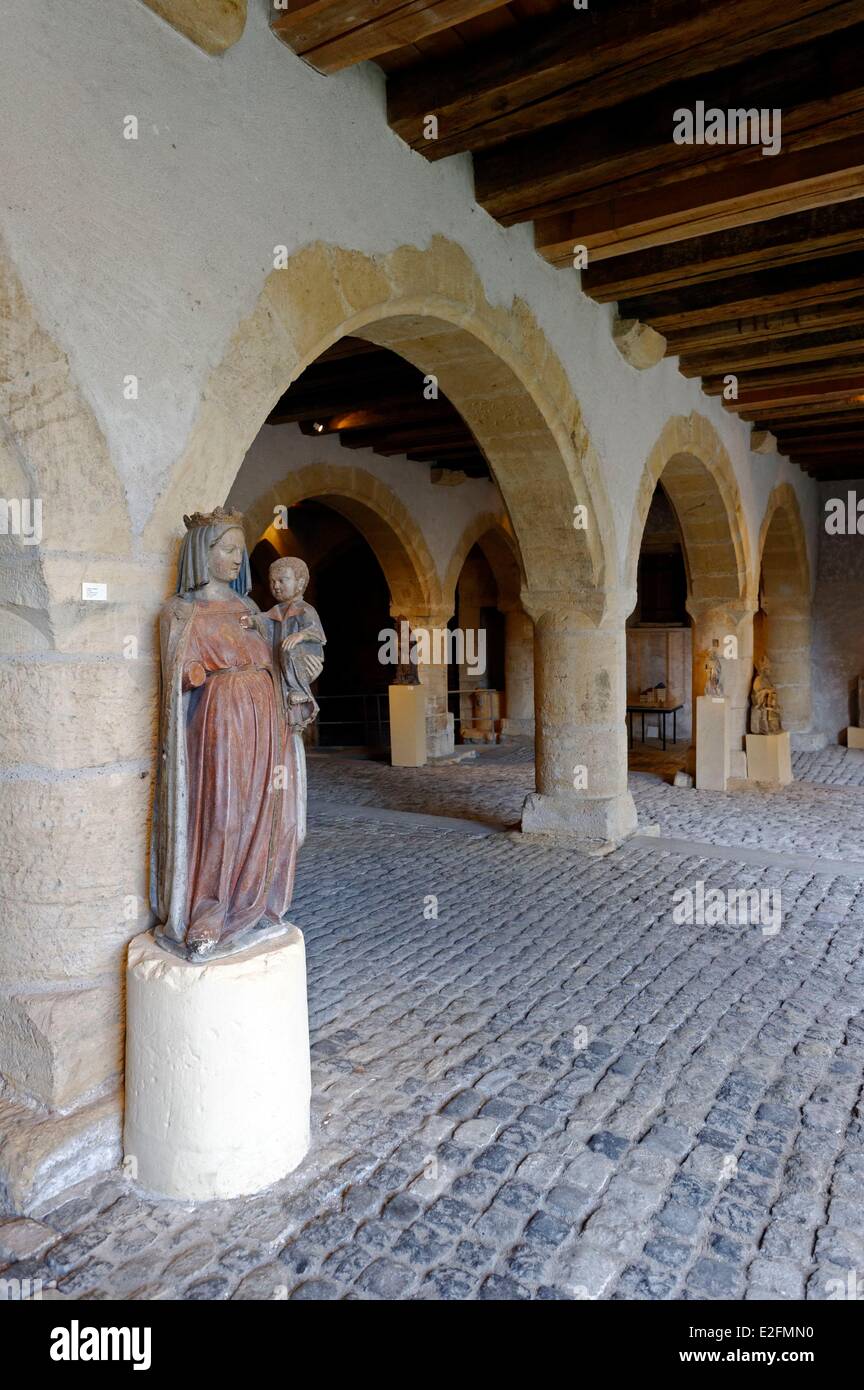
(374, 399)
(748, 263)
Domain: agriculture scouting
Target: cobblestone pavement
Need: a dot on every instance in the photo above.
(551, 1090)
(821, 812)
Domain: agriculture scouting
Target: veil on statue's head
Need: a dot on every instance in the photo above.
(203, 530)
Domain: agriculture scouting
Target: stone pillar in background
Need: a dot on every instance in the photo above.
(518, 671)
(732, 624)
(787, 645)
(440, 737)
(581, 737)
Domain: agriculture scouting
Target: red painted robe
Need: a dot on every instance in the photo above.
(225, 831)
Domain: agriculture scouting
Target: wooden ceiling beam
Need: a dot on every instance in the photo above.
(830, 444)
(811, 416)
(779, 393)
(762, 293)
(818, 232)
(818, 88)
(782, 327)
(583, 60)
(335, 34)
(779, 352)
(759, 189)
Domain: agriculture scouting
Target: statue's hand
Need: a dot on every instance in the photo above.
(314, 667)
(246, 620)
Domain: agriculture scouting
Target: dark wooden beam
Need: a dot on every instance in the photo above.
(759, 398)
(399, 441)
(818, 89)
(759, 188)
(823, 444)
(778, 328)
(811, 416)
(803, 236)
(335, 34)
(765, 292)
(583, 60)
(779, 352)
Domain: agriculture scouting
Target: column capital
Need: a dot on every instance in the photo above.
(579, 607)
(423, 617)
(737, 609)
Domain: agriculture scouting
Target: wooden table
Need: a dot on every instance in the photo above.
(662, 710)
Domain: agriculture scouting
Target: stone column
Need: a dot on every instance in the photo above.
(581, 736)
(732, 624)
(788, 639)
(440, 739)
(518, 671)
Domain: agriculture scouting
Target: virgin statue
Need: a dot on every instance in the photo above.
(227, 816)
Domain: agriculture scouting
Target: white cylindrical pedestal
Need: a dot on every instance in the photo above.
(217, 1069)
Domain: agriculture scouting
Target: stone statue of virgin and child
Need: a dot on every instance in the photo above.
(230, 807)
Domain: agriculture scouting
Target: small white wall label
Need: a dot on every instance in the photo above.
(97, 592)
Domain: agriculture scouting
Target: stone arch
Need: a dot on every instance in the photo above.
(698, 478)
(53, 447)
(381, 518)
(784, 599)
(493, 363)
(495, 538)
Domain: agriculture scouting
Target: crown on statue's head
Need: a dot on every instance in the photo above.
(214, 518)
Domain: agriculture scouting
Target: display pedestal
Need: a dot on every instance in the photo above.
(408, 725)
(854, 737)
(218, 1078)
(769, 758)
(485, 718)
(712, 743)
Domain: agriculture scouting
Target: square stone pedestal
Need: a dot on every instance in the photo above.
(218, 1081)
(769, 758)
(712, 743)
(408, 725)
(854, 737)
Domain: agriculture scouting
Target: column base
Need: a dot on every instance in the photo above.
(597, 824)
(517, 728)
(217, 1069)
(804, 741)
(440, 735)
(42, 1153)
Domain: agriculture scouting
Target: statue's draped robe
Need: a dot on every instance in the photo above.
(226, 816)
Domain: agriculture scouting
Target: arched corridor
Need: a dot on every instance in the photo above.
(361, 939)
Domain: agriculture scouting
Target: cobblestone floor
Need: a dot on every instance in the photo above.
(552, 1090)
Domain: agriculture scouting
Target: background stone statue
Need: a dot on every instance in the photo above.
(406, 668)
(764, 705)
(714, 670)
(227, 813)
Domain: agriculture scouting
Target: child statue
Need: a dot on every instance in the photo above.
(764, 705)
(299, 638)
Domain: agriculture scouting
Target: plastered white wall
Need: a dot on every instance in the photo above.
(142, 256)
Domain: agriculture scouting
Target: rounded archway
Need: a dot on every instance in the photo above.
(485, 578)
(691, 470)
(494, 365)
(369, 505)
